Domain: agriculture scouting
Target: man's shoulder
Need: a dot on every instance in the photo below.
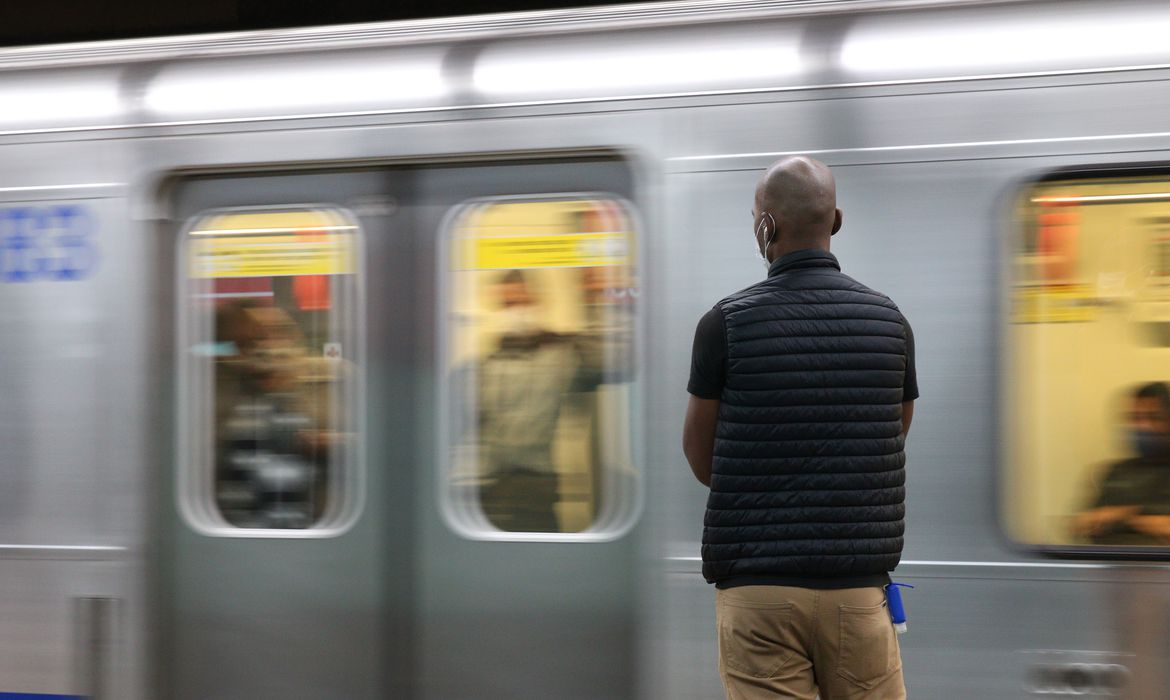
(784, 287)
(855, 285)
(745, 293)
(880, 297)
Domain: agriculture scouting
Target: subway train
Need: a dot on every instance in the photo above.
(275, 306)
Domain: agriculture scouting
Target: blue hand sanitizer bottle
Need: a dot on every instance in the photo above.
(897, 609)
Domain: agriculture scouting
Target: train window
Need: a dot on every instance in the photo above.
(1087, 410)
(269, 302)
(540, 347)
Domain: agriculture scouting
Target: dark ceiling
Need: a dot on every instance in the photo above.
(25, 22)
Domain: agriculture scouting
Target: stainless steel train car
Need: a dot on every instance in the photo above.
(255, 291)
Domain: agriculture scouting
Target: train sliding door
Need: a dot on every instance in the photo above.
(292, 440)
(404, 435)
(528, 567)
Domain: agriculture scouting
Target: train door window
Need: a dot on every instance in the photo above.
(540, 348)
(1087, 410)
(269, 301)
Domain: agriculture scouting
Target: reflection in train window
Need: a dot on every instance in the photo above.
(541, 360)
(1088, 372)
(269, 301)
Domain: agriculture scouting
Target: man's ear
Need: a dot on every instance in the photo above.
(836, 222)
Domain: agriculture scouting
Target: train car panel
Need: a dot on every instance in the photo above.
(883, 128)
(73, 511)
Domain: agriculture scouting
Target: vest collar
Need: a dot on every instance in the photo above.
(802, 259)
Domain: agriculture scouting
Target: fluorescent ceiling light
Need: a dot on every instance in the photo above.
(297, 84)
(1038, 40)
(55, 101)
(636, 66)
(1103, 198)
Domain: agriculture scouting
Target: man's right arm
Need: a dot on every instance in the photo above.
(699, 436)
(1109, 505)
(708, 370)
(1097, 520)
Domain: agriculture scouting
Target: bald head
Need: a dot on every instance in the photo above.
(800, 195)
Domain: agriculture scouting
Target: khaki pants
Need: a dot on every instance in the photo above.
(781, 642)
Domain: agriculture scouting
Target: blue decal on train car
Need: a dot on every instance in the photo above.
(39, 696)
(52, 242)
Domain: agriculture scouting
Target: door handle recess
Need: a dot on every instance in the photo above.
(94, 646)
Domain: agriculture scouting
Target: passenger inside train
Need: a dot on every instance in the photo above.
(1090, 331)
(270, 445)
(523, 384)
(546, 339)
(1131, 505)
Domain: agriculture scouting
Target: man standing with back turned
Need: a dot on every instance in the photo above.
(802, 390)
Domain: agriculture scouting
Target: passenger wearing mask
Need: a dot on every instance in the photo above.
(1132, 505)
(802, 392)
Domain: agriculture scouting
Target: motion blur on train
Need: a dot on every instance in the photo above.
(351, 362)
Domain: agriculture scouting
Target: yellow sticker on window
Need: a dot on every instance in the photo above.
(527, 235)
(562, 250)
(1072, 303)
(272, 256)
(272, 244)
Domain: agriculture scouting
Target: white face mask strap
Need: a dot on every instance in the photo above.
(771, 236)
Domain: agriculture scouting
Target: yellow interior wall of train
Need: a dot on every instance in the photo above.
(1089, 322)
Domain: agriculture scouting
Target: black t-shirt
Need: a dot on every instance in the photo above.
(1136, 482)
(709, 359)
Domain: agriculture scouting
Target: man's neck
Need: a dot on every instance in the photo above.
(780, 249)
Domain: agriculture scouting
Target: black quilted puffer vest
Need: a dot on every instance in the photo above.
(807, 478)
